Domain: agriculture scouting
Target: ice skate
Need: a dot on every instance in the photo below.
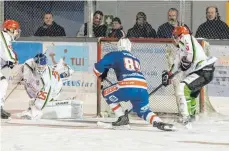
(4, 114)
(186, 121)
(164, 126)
(31, 114)
(192, 118)
(122, 122)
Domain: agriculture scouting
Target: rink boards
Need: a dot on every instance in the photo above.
(83, 85)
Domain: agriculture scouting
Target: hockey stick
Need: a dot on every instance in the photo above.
(158, 87)
(108, 81)
(12, 90)
(15, 87)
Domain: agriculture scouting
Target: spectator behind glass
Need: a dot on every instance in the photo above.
(166, 29)
(50, 28)
(117, 29)
(213, 28)
(142, 28)
(99, 29)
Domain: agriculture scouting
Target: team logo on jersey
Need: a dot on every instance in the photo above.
(145, 108)
(112, 98)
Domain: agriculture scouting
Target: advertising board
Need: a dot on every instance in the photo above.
(26, 50)
(220, 84)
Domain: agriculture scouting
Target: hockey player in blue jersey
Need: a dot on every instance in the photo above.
(131, 86)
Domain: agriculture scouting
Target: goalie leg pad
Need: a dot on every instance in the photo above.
(185, 102)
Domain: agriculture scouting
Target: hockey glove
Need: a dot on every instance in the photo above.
(185, 64)
(166, 77)
(10, 64)
(104, 74)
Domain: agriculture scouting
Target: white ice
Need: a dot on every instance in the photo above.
(207, 135)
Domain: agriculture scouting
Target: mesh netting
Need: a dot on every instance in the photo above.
(154, 57)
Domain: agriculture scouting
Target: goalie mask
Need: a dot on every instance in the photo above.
(12, 27)
(41, 63)
(124, 44)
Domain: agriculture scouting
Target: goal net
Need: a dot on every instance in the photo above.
(155, 55)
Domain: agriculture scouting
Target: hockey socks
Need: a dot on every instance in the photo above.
(117, 109)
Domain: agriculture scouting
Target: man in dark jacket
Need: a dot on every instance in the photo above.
(50, 28)
(117, 29)
(166, 29)
(213, 28)
(99, 29)
(142, 28)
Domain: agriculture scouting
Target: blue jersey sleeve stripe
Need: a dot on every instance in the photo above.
(97, 73)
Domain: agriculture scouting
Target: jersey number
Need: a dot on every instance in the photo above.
(42, 95)
(56, 75)
(131, 64)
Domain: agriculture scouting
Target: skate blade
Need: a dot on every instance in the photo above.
(5, 120)
(23, 116)
(104, 125)
(123, 127)
(26, 117)
(170, 128)
(110, 126)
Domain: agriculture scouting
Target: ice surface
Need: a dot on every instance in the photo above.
(211, 134)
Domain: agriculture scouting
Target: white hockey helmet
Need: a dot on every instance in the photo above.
(124, 44)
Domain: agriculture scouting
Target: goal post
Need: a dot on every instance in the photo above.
(155, 56)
